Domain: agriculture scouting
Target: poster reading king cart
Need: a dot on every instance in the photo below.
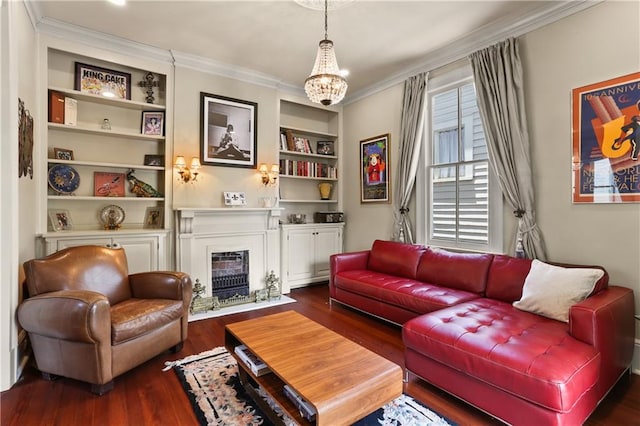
(606, 141)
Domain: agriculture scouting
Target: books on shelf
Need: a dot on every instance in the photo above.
(255, 364)
(310, 169)
(306, 410)
(56, 107)
(289, 142)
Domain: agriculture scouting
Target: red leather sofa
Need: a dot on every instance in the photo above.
(462, 333)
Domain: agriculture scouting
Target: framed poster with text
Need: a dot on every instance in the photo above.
(606, 141)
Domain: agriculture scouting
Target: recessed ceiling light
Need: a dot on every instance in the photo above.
(118, 2)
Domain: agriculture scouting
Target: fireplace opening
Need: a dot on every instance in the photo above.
(230, 274)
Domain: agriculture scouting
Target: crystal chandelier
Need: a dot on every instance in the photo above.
(325, 85)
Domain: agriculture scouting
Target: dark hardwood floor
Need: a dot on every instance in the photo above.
(149, 396)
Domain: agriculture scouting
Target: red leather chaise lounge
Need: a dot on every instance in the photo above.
(463, 333)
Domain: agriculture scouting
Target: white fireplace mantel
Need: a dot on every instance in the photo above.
(202, 231)
(192, 220)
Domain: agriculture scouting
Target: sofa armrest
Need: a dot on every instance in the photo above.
(351, 261)
(605, 321)
(161, 285)
(74, 315)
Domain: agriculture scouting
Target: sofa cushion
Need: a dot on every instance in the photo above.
(394, 258)
(463, 271)
(135, 317)
(518, 352)
(409, 294)
(506, 277)
(551, 290)
(601, 284)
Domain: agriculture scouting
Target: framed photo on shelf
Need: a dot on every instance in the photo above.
(153, 123)
(62, 154)
(153, 218)
(60, 220)
(228, 131)
(153, 160)
(102, 81)
(375, 184)
(108, 184)
(326, 148)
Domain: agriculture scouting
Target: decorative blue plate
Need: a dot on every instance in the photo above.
(63, 178)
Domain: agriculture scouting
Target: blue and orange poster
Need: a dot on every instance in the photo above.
(606, 141)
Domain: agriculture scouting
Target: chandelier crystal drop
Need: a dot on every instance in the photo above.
(325, 85)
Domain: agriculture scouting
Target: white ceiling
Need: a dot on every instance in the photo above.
(376, 41)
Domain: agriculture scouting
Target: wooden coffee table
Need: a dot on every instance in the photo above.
(342, 380)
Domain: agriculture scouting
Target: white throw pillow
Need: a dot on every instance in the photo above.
(551, 290)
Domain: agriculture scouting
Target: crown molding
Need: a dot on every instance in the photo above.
(97, 39)
(34, 11)
(480, 39)
(211, 66)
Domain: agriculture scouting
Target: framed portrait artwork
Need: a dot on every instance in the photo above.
(228, 131)
(606, 141)
(63, 154)
(153, 123)
(153, 218)
(375, 182)
(60, 220)
(102, 81)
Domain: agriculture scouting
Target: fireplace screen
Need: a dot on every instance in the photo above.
(230, 274)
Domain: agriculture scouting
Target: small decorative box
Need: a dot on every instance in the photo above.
(328, 217)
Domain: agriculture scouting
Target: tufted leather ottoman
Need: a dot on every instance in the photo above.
(519, 353)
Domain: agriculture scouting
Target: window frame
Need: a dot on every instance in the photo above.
(450, 80)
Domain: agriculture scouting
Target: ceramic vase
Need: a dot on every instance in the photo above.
(325, 190)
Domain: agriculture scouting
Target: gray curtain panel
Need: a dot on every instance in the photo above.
(497, 72)
(411, 135)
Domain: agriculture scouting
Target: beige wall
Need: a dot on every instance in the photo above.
(573, 52)
(375, 115)
(585, 48)
(27, 91)
(213, 180)
(19, 72)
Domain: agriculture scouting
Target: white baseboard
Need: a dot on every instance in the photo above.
(635, 364)
(21, 354)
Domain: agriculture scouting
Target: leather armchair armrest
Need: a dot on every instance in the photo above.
(605, 321)
(78, 315)
(161, 285)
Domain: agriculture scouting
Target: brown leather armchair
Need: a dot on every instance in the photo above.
(89, 320)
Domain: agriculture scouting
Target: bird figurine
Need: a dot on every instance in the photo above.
(140, 188)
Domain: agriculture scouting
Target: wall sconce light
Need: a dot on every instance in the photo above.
(187, 174)
(269, 177)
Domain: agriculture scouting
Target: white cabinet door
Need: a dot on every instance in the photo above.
(300, 247)
(64, 243)
(144, 252)
(327, 241)
(305, 252)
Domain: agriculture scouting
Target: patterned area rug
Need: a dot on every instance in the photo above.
(211, 382)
